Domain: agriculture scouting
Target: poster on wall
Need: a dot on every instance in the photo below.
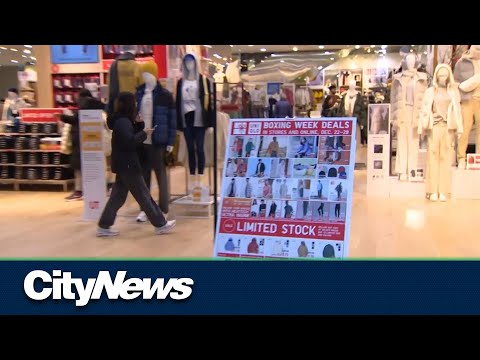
(378, 163)
(93, 163)
(473, 161)
(74, 54)
(287, 189)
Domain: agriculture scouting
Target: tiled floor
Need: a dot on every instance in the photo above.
(42, 224)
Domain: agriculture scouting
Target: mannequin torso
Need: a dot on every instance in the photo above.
(146, 107)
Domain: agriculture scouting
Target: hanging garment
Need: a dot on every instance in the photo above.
(328, 251)
(253, 247)
(229, 245)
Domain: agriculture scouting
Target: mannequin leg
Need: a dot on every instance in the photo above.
(200, 145)
(444, 173)
(189, 134)
(433, 157)
(467, 115)
(476, 113)
(145, 154)
(402, 149)
(160, 169)
(413, 148)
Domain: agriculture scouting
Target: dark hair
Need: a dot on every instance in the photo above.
(14, 90)
(125, 105)
(84, 93)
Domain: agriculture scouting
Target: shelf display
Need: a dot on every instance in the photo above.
(66, 87)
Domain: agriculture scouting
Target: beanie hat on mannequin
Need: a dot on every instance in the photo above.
(150, 67)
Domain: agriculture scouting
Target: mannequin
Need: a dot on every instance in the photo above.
(124, 75)
(467, 74)
(219, 77)
(258, 98)
(13, 104)
(233, 72)
(352, 105)
(440, 118)
(194, 114)
(408, 89)
(157, 110)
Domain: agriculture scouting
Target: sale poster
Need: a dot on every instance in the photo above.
(93, 163)
(287, 189)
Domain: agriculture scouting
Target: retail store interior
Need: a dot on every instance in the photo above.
(410, 198)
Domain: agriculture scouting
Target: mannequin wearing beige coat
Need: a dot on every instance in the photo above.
(440, 118)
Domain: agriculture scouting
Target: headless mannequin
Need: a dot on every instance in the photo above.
(467, 74)
(350, 108)
(407, 94)
(124, 75)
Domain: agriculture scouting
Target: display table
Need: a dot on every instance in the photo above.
(185, 207)
(466, 184)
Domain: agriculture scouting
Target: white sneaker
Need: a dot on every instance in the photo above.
(461, 164)
(434, 197)
(142, 217)
(443, 198)
(101, 232)
(166, 228)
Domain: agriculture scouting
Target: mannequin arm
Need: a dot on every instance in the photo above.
(470, 84)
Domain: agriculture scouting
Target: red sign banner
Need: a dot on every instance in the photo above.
(38, 115)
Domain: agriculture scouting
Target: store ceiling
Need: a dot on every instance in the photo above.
(16, 54)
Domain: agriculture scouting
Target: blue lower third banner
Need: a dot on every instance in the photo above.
(239, 287)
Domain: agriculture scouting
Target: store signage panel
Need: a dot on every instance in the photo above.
(74, 54)
(39, 115)
(287, 189)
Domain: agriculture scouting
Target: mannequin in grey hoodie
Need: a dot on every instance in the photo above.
(467, 74)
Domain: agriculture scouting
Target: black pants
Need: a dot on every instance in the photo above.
(195, 139)
(337, 210)
(136, 185)
(363, 135)
(153, 158)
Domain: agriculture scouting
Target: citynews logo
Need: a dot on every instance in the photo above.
(60, 285)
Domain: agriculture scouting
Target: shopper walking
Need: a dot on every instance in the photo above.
(85, 102)
(127, 135)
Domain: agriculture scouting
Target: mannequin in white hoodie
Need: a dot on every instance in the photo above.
(408, 89)
(440, 118)
(467, 74)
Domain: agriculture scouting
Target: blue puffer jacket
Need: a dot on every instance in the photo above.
(164, 115)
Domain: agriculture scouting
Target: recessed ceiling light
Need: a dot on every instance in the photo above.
(327, 52)
(13, 49)
(282, 61)
(26, 51)
(321, 47)
(412, 45)
(208, 46)
(357, 47)
(28, 46)
(295, 48)
(14, 61)
(3, 48)
(372, 46)
(231, 45)
(250, 45)
(332, 58)
(426, 53)
(320, 68)
(33, 58)
(411, 50)
(263, 49)
(224, 59)
(262, 60)
(384, 46)
(24, 56)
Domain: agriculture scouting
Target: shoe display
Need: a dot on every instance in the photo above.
(75, 196)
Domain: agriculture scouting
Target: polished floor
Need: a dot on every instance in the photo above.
(42, 224)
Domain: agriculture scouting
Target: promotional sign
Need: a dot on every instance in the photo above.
(74, 54)
(38, 115)
(473, 161)
(93, 163)
(287, 189)
(378, 163)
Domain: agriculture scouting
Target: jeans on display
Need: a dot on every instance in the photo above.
(153, 158)
(470, 110)
(407, 145)
(438, 177)
(135, 184)
(195, 139)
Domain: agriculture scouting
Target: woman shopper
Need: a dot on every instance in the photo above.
(85, 102)
(127, 135)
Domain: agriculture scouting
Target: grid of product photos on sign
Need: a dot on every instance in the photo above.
(286, 189)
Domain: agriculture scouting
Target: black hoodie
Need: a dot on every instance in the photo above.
(126, 137)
